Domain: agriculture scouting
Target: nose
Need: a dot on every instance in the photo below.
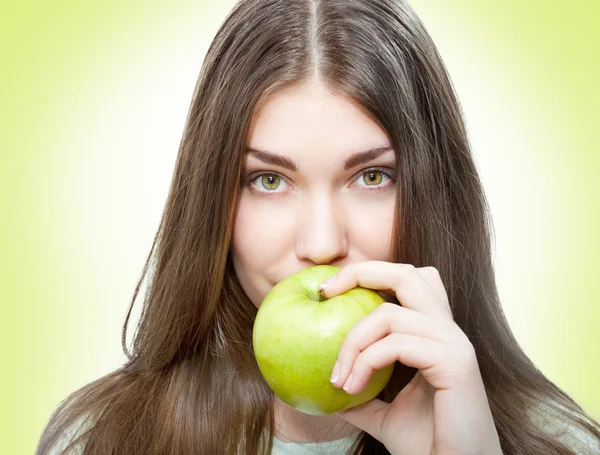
(322, 231)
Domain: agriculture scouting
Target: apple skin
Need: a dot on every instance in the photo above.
(296, 339)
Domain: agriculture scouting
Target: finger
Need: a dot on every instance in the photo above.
(433, 278)
(413, 351)
(367, 416)
(386, 319)
(411, 289)
(370, 416)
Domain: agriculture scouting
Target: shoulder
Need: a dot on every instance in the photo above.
(70, 434)
(561, 423)
(578, 440)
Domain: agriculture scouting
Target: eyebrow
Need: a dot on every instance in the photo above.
(351, 162)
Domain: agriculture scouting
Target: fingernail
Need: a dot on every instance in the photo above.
(348, 383)
(336, 372)
(327, 282)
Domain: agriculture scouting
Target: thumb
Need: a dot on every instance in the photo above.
(368, 416)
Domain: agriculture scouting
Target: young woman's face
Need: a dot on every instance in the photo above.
(325, 206)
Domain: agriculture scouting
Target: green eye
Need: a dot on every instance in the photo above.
(369, 180)
(270, 181)
(371, 177)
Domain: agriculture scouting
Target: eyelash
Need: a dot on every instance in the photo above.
(253, 177)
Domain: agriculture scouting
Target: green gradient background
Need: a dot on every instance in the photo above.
(94, 98)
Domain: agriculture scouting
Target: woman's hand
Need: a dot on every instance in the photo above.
(444, 409)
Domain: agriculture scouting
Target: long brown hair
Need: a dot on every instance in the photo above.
(191, 383)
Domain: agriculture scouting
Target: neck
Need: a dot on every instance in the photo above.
(295, 426)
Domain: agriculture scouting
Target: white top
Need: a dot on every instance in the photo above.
(336, 447)
(575, 439)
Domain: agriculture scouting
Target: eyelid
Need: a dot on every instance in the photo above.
(389, 172)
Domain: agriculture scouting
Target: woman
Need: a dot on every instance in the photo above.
(324, 132)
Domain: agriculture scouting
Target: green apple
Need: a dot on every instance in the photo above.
(297, 335)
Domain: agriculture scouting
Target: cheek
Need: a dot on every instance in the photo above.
(372, 230)
(260, 245)
(261, 232)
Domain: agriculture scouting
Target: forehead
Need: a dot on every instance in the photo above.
(311, 115)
